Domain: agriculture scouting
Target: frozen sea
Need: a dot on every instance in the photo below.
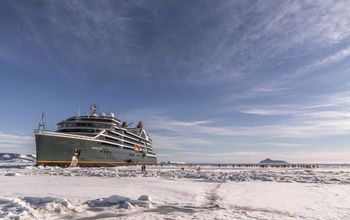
(167, 192)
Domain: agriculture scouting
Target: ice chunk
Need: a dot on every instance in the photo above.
(148, 205)
(105, 202)
(125, 205)
(145, 198)
(12, 174)
(48, 203)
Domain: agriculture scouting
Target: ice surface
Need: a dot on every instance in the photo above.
(287, 175)
(163, 192)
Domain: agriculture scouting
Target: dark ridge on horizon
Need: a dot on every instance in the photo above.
(14, 157)
(269, 161)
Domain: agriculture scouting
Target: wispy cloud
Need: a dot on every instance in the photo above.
(279, 144)
(178, 142)
(280, 84)
(15, 139)
(15, 143)
(326, 115)
(323, 62)
(263, 110)
(330, 106)
(260, 91)
(141, 39)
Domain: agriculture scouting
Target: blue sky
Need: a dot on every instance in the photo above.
(213, 81)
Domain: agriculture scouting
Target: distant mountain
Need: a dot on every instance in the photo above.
(269, 161)
(172, 163)
(12, 157)
(176, 162)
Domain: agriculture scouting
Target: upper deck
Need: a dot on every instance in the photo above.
(93, 124)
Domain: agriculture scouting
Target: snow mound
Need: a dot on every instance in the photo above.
(33, 207)
(120, 201)
(51, 207)
(106, 202)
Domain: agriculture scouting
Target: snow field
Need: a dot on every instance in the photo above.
(287, 175)
(168, 192)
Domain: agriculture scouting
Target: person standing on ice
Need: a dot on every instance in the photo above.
(143, 167)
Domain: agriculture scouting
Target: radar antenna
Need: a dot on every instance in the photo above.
(42, 123)
(78, 114)
(94, 109)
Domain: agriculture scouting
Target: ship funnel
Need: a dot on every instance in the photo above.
(140, 125)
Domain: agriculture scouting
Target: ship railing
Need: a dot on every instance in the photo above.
(38, 131)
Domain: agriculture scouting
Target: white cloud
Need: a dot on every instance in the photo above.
(271, 110)
(269, 89)
(15, 139)
(187, 124)
(279, 144)
(336, 105)
(325, 115)
(11, 143)
(330, 59)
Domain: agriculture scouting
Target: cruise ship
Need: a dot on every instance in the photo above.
(93, 140)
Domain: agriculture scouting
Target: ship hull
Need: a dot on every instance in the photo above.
(58, 150)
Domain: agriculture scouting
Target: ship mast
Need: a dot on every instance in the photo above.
(42, 123)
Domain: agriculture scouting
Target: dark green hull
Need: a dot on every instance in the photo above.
(58, 151)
